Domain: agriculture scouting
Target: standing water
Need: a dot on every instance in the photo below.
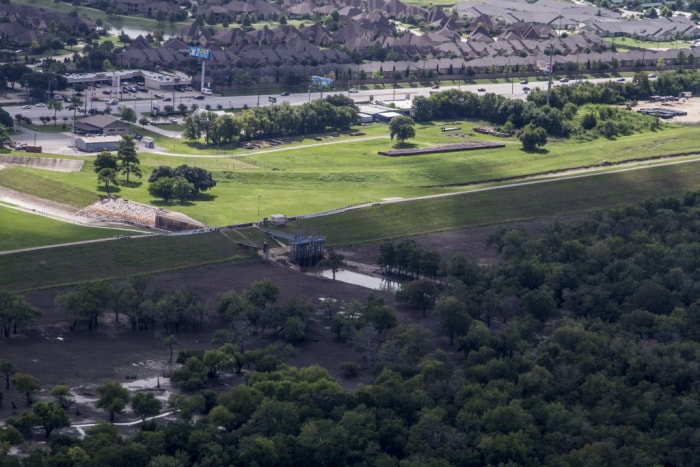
(364, 280)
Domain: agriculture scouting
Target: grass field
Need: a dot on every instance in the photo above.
(118, 258)
(312, 176)
(24, 230)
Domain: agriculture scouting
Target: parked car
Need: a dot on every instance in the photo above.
(526, 89)
(113, 102)
(199, 98)
(107, 92)
(41, 104)
(653, 75)
(167, 99)
(524, 81)
(25, 107)
(352, 90)
(207, 91)
(564, 80)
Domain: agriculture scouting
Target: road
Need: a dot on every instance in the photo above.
(142, 102)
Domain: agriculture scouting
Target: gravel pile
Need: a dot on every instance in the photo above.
(121, 210)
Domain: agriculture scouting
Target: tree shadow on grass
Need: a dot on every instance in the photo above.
(112, 190)
(404, 145)
(205, 197)
(539, 151)
(130, 184)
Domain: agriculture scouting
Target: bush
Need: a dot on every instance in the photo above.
(349, 369)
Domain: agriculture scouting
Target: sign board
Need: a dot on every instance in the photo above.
(321, 82)
(272, 99)
(198, 52)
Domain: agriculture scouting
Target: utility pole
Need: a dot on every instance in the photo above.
(549, 82)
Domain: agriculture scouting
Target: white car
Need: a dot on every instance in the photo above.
(207, 91)
(41, 104)
(113, 102)
(25, 107)
(352, 90)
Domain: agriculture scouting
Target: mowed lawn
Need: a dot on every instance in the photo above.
(314, 176)
(311, 176)
(19, 229)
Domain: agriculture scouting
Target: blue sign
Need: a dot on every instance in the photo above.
(198, 52)
(321, 82)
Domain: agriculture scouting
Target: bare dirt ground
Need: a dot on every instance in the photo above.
(81, 359)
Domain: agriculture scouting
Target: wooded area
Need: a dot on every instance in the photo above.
(579, 348)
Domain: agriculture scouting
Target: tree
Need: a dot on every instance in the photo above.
(26, 384)
(63, 396)
(162, 188)
(113, 397)
(105, 160)
(182, 189)
(49, 415)
(15, 311)
(402, 127)
(7, 369)
(532, 137)
(56, 106)
(4, 136)
(170, 341)
(420, 293)
(453, 316)
(145, 405)
(88, 301)
(334, 261)
(128, 114)
(127, 157)
(108, 177)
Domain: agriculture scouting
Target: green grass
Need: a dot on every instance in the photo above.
(551, 199)
(118, 258)
(342, 171)
(630, 42)
(116, 21)
(38, 183)
(25, 230)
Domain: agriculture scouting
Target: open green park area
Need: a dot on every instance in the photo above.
(311, 176)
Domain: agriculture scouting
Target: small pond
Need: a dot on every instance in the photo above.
(364, 280)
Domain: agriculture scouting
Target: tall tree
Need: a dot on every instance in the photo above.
(127, 157)
(453, 316)
(48, 415)
(108, 177)
(15, 311)
(7, 369)
(402, 127)
(145, 405)
(420, 293)
(105, 160)
(26, 384)
(113, 397)
(171, 341)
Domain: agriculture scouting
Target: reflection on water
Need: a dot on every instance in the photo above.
(364, 280)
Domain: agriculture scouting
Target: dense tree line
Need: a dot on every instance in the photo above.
(283, 120)
(174, 312)
(580, 347)
(568, 106)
